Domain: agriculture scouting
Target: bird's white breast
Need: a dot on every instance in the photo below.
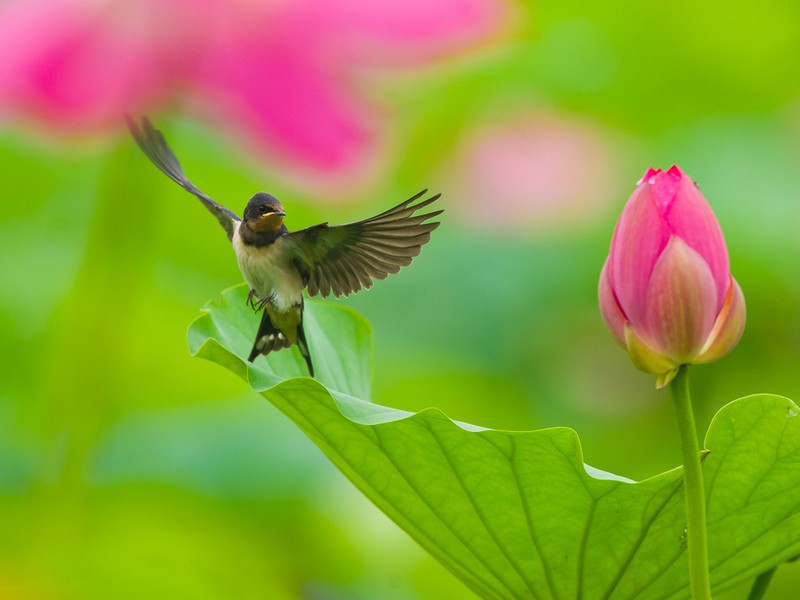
(267, 271)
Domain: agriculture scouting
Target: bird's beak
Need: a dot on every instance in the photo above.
(268, 222)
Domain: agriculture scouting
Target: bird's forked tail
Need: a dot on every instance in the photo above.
(271, 338)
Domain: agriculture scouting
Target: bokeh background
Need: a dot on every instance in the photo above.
(129, 469)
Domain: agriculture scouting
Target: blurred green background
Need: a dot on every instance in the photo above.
(130, 470)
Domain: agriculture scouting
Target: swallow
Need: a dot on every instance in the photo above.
(323, 259)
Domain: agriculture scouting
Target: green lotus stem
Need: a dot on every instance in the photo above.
(693, 485)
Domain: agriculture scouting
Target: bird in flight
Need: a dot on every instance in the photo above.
(324, 259)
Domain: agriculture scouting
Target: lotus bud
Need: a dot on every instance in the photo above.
(666, 291)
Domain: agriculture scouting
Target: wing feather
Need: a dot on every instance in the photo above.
(344, 259)
(374, 264)
(394, 249)
(350, 278)
(155, 147)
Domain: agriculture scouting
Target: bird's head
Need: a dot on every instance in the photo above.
(264, 213)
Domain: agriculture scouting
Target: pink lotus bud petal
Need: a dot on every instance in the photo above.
(609, 308)
(728, 328)
(666, 292)
(681, 302)
(691, 219)
(640, 227)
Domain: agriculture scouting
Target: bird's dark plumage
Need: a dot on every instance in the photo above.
(342, 259)
(279, 264)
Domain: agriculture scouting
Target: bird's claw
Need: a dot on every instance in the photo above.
(250, 295)
(262, 304)
(258, 305)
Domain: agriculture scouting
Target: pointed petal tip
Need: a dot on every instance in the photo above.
(651, 172)
(664, 379)
(675, 172)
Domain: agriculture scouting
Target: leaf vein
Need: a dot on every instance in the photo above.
(526, 511)
(640, 540)
(481, 516)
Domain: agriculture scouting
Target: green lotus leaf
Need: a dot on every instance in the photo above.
(519, 514)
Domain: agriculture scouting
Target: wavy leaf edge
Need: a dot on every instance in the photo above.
(210, 347)
(363, 412)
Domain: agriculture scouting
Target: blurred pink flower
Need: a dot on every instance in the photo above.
(283, 71)
(533, 170)
(666, 290)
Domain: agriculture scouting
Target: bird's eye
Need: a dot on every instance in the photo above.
(262, 208)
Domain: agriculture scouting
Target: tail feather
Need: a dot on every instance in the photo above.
(303, 345)
(261, 346)
(269, 338)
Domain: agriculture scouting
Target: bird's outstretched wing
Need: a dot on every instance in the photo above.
(153, 144)
(343, 259)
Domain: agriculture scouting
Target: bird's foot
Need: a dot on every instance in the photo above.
(250, 302)
(258, 304)
(262, 304)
